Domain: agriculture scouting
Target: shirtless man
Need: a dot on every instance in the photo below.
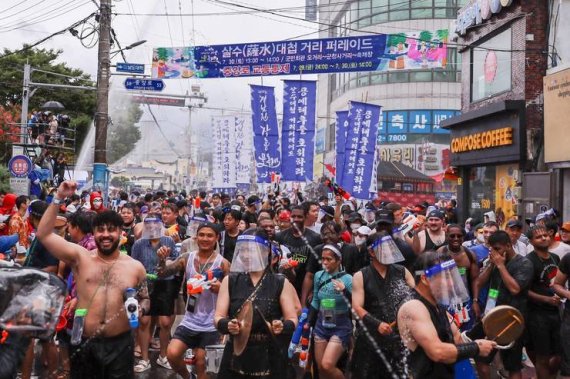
(102, 276)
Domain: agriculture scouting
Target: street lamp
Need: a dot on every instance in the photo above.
(132, 45)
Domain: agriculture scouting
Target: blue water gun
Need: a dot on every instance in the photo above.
(298, 332)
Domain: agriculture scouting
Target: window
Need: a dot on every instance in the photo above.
(379, 11)
(422, 9)
(364, 13)
(491, 67)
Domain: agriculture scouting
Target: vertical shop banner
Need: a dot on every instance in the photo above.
(360, 148)
(243, 149)
(298, 134)
(265, 131)
(505, 194)
(340, 142)
(224, 155)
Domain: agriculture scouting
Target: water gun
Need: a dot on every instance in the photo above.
(62, 322)
(123, 240)
(132, 308)
(151, 276)
(291, 262)
(173, 230)
(298, 332)
(305, 344)
(200, 282)
(338, 190)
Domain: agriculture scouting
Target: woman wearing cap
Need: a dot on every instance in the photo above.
(332, 293)
(273, 302)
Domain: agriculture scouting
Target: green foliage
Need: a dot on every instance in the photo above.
(4, 179)
(123, 134)
(120, 181)
(426, 36)
(79, 104)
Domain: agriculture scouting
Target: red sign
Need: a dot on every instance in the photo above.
(490, 66)
(174, 102)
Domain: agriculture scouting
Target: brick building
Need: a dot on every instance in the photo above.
(498, 137)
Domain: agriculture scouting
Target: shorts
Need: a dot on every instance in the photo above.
(194, 339)
(342, 330)
(104, 357)
(162, 298)
(565, 343)
(543, 329)
(512, 358)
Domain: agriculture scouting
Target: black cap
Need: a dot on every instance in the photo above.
(354, 216)
(514, 224)
(384, 216)
(329, 211)
(436, 213)
(252, 199)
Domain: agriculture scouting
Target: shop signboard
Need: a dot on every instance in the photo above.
(556, 116)
(404, 126)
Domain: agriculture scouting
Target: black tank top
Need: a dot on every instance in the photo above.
(420, 365)
(430, 245)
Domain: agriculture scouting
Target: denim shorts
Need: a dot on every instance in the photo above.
(342, 330)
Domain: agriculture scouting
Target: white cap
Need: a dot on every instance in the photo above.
(364, 230)
(71, 208)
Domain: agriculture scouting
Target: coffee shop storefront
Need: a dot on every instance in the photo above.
(487, 148)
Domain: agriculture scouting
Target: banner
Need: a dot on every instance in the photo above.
(380, 52)
(298, 132)
(360, 149)
(243, 149)
(340, 142)
(265, 132)
(224, 175)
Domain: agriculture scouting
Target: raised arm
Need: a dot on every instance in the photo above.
(168, 268)
(56, 245)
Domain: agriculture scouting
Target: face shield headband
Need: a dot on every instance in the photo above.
(386, 251)
(446, 284)
(152, 228)
(251, 254)
(193, 225)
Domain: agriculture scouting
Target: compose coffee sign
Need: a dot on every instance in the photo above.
(478, 12)
(483, 140)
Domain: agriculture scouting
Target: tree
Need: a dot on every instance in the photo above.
(123, 132)
(9, 130)
(120, 181)
(79, 104)
(4, 179)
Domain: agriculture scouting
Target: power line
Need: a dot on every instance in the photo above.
(33, 16)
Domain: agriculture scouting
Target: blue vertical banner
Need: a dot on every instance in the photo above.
(340, 130)
(298, 134)
(265, 131)
(360, 148)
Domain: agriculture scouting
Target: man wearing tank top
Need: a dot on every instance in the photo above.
(196, 331)
(430, 236)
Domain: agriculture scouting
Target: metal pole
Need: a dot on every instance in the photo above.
(25, 101)
(102, 112)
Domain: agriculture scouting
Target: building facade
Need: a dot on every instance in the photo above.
(498, 137)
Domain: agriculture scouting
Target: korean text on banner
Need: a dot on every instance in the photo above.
(265, 131)
(341, 128)
(243, 149)
(224, 155)
(298, 135)
(360, 148)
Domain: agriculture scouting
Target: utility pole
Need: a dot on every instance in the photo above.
(102, 112)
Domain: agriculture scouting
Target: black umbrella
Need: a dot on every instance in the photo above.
(52, 106)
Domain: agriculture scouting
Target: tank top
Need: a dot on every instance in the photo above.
(430, 245)
(420, 364)
(202, 319)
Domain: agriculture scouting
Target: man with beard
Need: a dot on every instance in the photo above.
(425, 327)
(299, 241)
(103, 276)
(377, 291)
(431, 237)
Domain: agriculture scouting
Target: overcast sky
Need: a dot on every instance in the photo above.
(29, 21)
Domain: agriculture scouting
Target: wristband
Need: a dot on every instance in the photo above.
(288, 327)
(467, 350)
(223, 326)
(371, 322)
(56, 200)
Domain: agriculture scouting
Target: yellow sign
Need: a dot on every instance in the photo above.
(505, 194)
(483, 140)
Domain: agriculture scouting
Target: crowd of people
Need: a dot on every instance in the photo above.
(275, 288)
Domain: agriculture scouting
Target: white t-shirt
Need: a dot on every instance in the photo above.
(520, 248)
(561, 250)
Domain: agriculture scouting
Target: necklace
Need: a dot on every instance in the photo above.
(202, 267)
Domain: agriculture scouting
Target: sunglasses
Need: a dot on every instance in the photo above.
(455, 235)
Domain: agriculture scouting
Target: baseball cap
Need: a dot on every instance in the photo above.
(354, 216)
(384, 216)
(364, 230)
(516, 224)
(436, 213)
(6, 242)
(329, 211)
(253, 199)
(566, 226)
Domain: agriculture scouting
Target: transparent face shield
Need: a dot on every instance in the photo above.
(152, 228)
(193, 225)
(369, 216)
(446, 284)
(251, 254)
(386, 251)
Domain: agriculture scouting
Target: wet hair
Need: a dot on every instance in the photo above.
(82, 220)
(208, 225)
(21, 200)
(551, 226)
(234, 213)
(307, 206)
(38, 208)
(271, 212)
(246, 223)
(456, 226)
(107, 217)
(530, 232)
(426, 260)
(500, 237)
(298, 208)
(130, 206)
(491, 224)
(331, 224)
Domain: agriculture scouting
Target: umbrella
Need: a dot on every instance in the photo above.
(52, 105)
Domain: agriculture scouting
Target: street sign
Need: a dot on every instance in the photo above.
(171, 101)
(20, 166)
(144, 84)
(20, 186)
(135, 68)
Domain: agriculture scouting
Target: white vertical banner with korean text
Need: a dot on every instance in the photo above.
(243, 149)
(224, 174)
